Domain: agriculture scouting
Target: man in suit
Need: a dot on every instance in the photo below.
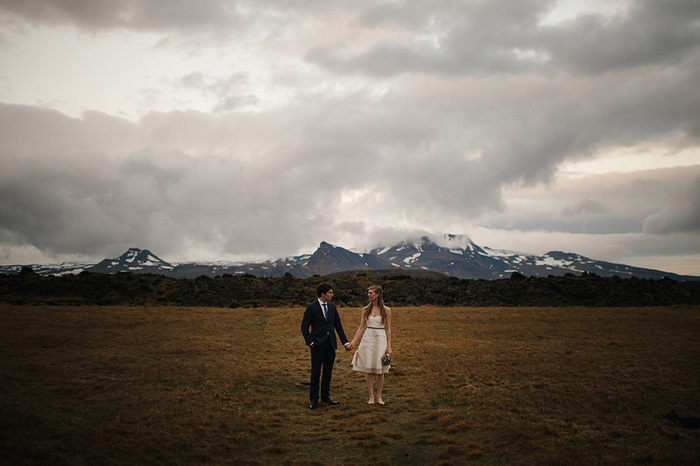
(323, 319)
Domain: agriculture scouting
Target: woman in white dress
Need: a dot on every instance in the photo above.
(374, 334)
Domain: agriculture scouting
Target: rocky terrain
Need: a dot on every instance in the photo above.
(402, 288)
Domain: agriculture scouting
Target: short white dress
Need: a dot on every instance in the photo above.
(368, 357)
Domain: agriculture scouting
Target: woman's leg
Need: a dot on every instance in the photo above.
(370, 386)
(380, 387)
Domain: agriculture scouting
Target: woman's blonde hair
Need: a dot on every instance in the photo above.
(379, 301)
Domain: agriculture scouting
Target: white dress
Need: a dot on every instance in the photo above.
(368, 357)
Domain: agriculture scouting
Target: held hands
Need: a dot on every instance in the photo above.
(348, 346)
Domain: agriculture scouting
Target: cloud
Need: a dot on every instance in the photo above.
(508, 37)
(445, 37)
(209, 19)
(680, 216)
(604, 204)
(258, 180)
(584, 207)
(228, 92)
(106, 14)
(352, 122)
(240, 185)
(80, 193)
(647, 33)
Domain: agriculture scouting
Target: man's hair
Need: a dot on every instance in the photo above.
(323, 288)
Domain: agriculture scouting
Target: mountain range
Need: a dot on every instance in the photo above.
(451, 255)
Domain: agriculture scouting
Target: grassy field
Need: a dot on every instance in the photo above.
(166, 385)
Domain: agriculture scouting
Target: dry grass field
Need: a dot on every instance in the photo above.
(166, 385)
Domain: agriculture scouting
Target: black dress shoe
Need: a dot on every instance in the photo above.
(331, 402)
(313, 404)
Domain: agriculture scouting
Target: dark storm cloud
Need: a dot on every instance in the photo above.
(444, 37)
(71, 193)
(649, 33)
(203, 17)
(133, 14)
(502, 36)
(240, 185)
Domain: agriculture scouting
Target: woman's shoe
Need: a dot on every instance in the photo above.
(380, 402)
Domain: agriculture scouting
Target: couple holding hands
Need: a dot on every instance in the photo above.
(319, 325)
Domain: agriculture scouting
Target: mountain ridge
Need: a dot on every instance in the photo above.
(451, 255)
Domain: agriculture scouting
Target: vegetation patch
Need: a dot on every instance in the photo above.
(404, 288)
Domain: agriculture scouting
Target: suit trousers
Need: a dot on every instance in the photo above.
(322, 357)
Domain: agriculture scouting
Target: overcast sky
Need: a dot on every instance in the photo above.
(253, 129)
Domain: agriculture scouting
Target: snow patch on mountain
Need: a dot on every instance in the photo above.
(411, 259)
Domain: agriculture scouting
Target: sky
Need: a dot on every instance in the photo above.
(255, 129)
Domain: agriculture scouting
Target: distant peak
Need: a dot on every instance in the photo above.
(446, 241)
(451, 241)
(134, 255)
(135, 251)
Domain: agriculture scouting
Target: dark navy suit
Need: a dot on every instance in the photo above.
(322, 335)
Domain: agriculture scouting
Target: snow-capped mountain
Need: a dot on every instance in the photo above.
(62, 268)
(456, 256)
(451, 255)
(329, 259)
(460, 257)
(133, 260)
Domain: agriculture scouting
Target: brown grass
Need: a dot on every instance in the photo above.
(165, 385)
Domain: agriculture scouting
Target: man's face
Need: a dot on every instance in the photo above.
(325, 297)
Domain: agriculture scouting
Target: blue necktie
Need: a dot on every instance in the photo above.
(325, 311)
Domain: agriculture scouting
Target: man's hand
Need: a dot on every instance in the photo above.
(348, 346)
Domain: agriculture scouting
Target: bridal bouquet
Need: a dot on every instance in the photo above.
(386, 360)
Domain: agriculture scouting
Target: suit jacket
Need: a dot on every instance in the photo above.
(322, 331)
